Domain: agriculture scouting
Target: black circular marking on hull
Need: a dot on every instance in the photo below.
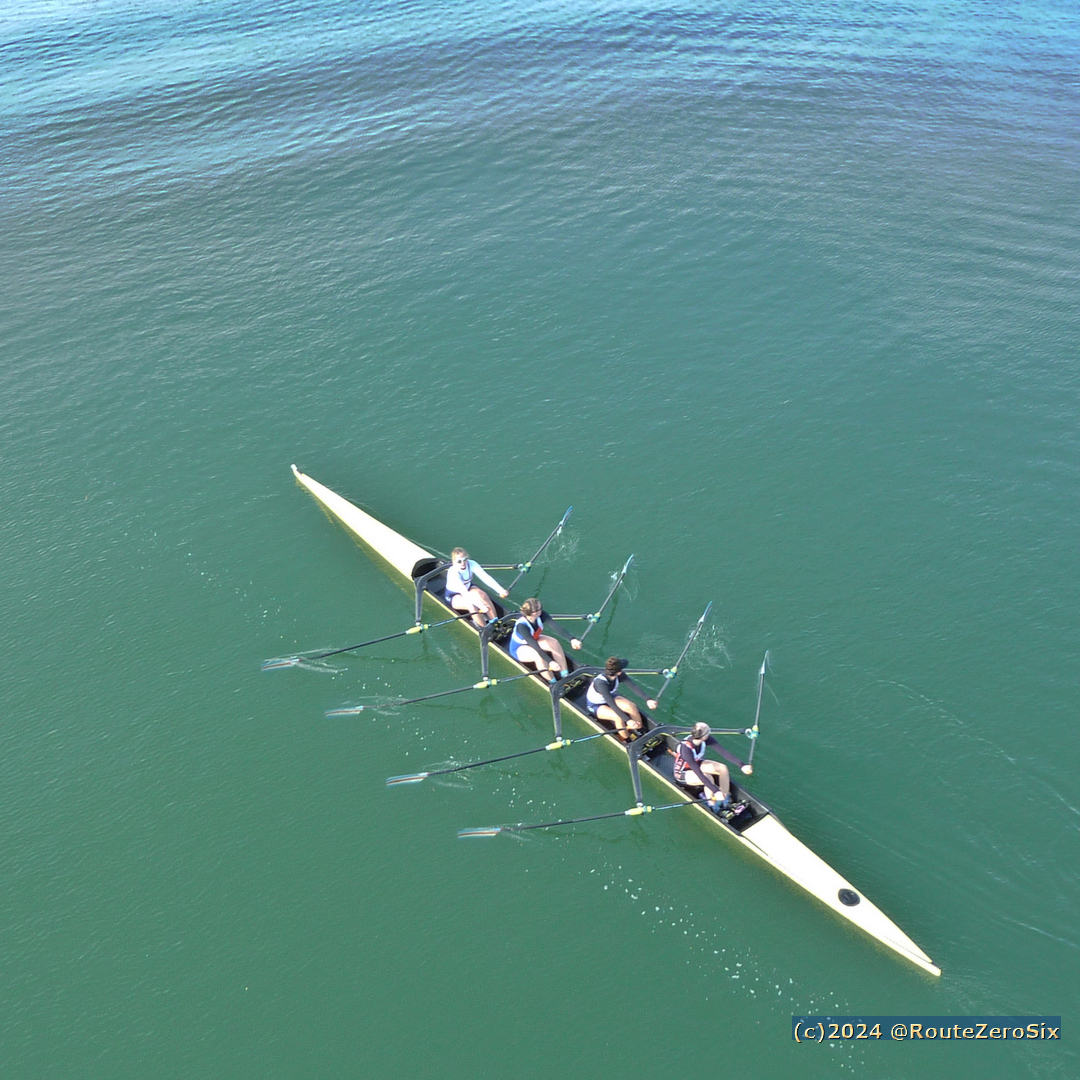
(849, 897)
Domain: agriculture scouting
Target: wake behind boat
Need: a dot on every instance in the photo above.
(754, 826)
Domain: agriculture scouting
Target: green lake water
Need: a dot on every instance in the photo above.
(783, 301)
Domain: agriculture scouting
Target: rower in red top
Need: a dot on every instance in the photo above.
(693, 770)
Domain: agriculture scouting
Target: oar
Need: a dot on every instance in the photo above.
(634, 811)
(292, 661)
(671, 672)
(748, 768)
(525, 567)
(483, 684)
(558, 744)
(595, 617)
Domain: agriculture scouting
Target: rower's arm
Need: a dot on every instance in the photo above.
(726, 754)
(554, 626)
(640, 691)
(485, 577)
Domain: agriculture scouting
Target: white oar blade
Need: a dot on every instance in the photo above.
(466, 834)
(351, 711)
(415, 778)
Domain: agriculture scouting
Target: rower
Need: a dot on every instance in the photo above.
(602, 703)
(529, 644)
(462, 595)
(694, 771)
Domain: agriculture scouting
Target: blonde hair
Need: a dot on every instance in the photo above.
(456, 552)
(531, 606)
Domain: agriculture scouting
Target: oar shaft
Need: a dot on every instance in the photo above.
(760, 689)
(418, 629)
(634, 811)
(567, 821)
(483, 684)
(672, 671)
(757, 712)
(525, 567)
(558, 744)
(595, 617)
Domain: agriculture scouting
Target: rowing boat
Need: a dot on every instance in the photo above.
(756, 827)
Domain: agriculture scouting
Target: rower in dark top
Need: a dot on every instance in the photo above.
(693, 770)
(602, 702)
(529, 644)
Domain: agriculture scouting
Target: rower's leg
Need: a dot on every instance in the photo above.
(719, 772)
(460, 602)
(551, 645)
(465, 602)
(483, 603)
(610, 716)
(631, 710)
(694, 786)
(536, 659)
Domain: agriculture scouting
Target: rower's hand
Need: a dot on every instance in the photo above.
(575, 644)
(503, 594)
(653, 704)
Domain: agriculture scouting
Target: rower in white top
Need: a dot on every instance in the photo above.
(463, 595)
